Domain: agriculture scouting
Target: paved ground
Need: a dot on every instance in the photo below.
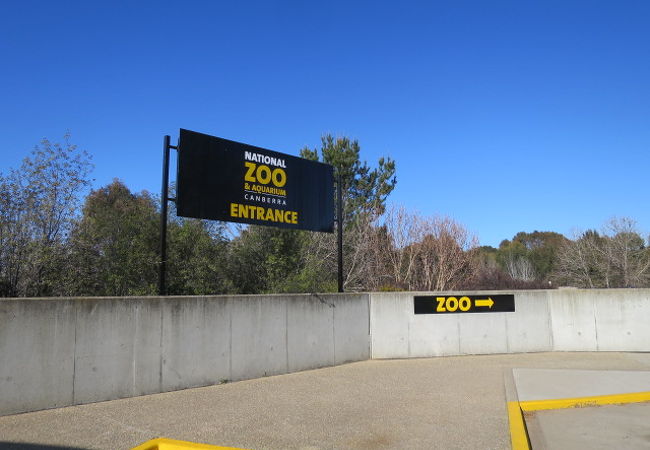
(446, 403)
(589, 426)
(594, 428)
(549, 384)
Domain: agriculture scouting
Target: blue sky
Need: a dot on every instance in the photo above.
(507, 116)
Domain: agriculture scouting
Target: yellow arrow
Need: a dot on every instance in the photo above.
(484, 302)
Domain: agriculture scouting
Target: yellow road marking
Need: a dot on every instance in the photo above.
(518, 434)
(171, 444)
(581, 402)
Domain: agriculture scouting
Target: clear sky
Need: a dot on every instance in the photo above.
(507, 116)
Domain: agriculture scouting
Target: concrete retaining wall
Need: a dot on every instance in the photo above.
(60, 352)
(544, 320)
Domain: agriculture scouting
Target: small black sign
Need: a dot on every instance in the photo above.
(225, 180)
(453, 304)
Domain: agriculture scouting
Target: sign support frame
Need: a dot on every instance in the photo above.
(339, 225)
(164, 198)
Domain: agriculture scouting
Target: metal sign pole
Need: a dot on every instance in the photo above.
(339, 221)
(162, 288)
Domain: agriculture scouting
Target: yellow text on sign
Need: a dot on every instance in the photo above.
(266, 214)
(452, 304)
(259, 173)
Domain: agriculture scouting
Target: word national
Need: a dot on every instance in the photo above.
(259, 158)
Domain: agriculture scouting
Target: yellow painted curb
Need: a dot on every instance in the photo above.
(518, 434)
(581, 402)
(171, 444)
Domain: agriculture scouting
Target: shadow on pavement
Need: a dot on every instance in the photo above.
(4, 445)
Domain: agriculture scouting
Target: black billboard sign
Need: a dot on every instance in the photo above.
(225, 180)
(448, 304)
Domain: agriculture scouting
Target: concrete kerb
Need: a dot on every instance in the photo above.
(518, 431)
(523, 426)
(585, 402)
(525, 430)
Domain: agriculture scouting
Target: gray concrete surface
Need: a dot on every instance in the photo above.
(588, 426)
(36, 366)
(58, 352)
(445, 403)
(600, 319)
(594, 428)
(549, 384)
(544, 320)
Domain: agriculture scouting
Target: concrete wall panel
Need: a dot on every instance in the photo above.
(622, 319)
(195, 342)
(389, 324)
(36, 361)
(259, 336)
(529, 327)
(351, 327)
(439, 337)
(310, 333)
(147, 352)
(572, 321)
(483, 333)
(104, 356)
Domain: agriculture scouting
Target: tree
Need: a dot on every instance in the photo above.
(412, 252)
(14, 235)
(618, 257)
(197, 254)
(115, 244)
(265, 259)
(581, 262)
(446, 255)
(513, 259)
(39, 203)
(626, 253)
(197, 258)
(396, 248)
(542, 248)
(530, 256)
(365, 191)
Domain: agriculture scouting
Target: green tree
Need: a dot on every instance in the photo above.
(115, 244)
(246, 261)
(14, 235)
(264, 259)
(530, 256)
(196, 258)
(513, 258)
(39, 204)
(365, 191)
(542, 249)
